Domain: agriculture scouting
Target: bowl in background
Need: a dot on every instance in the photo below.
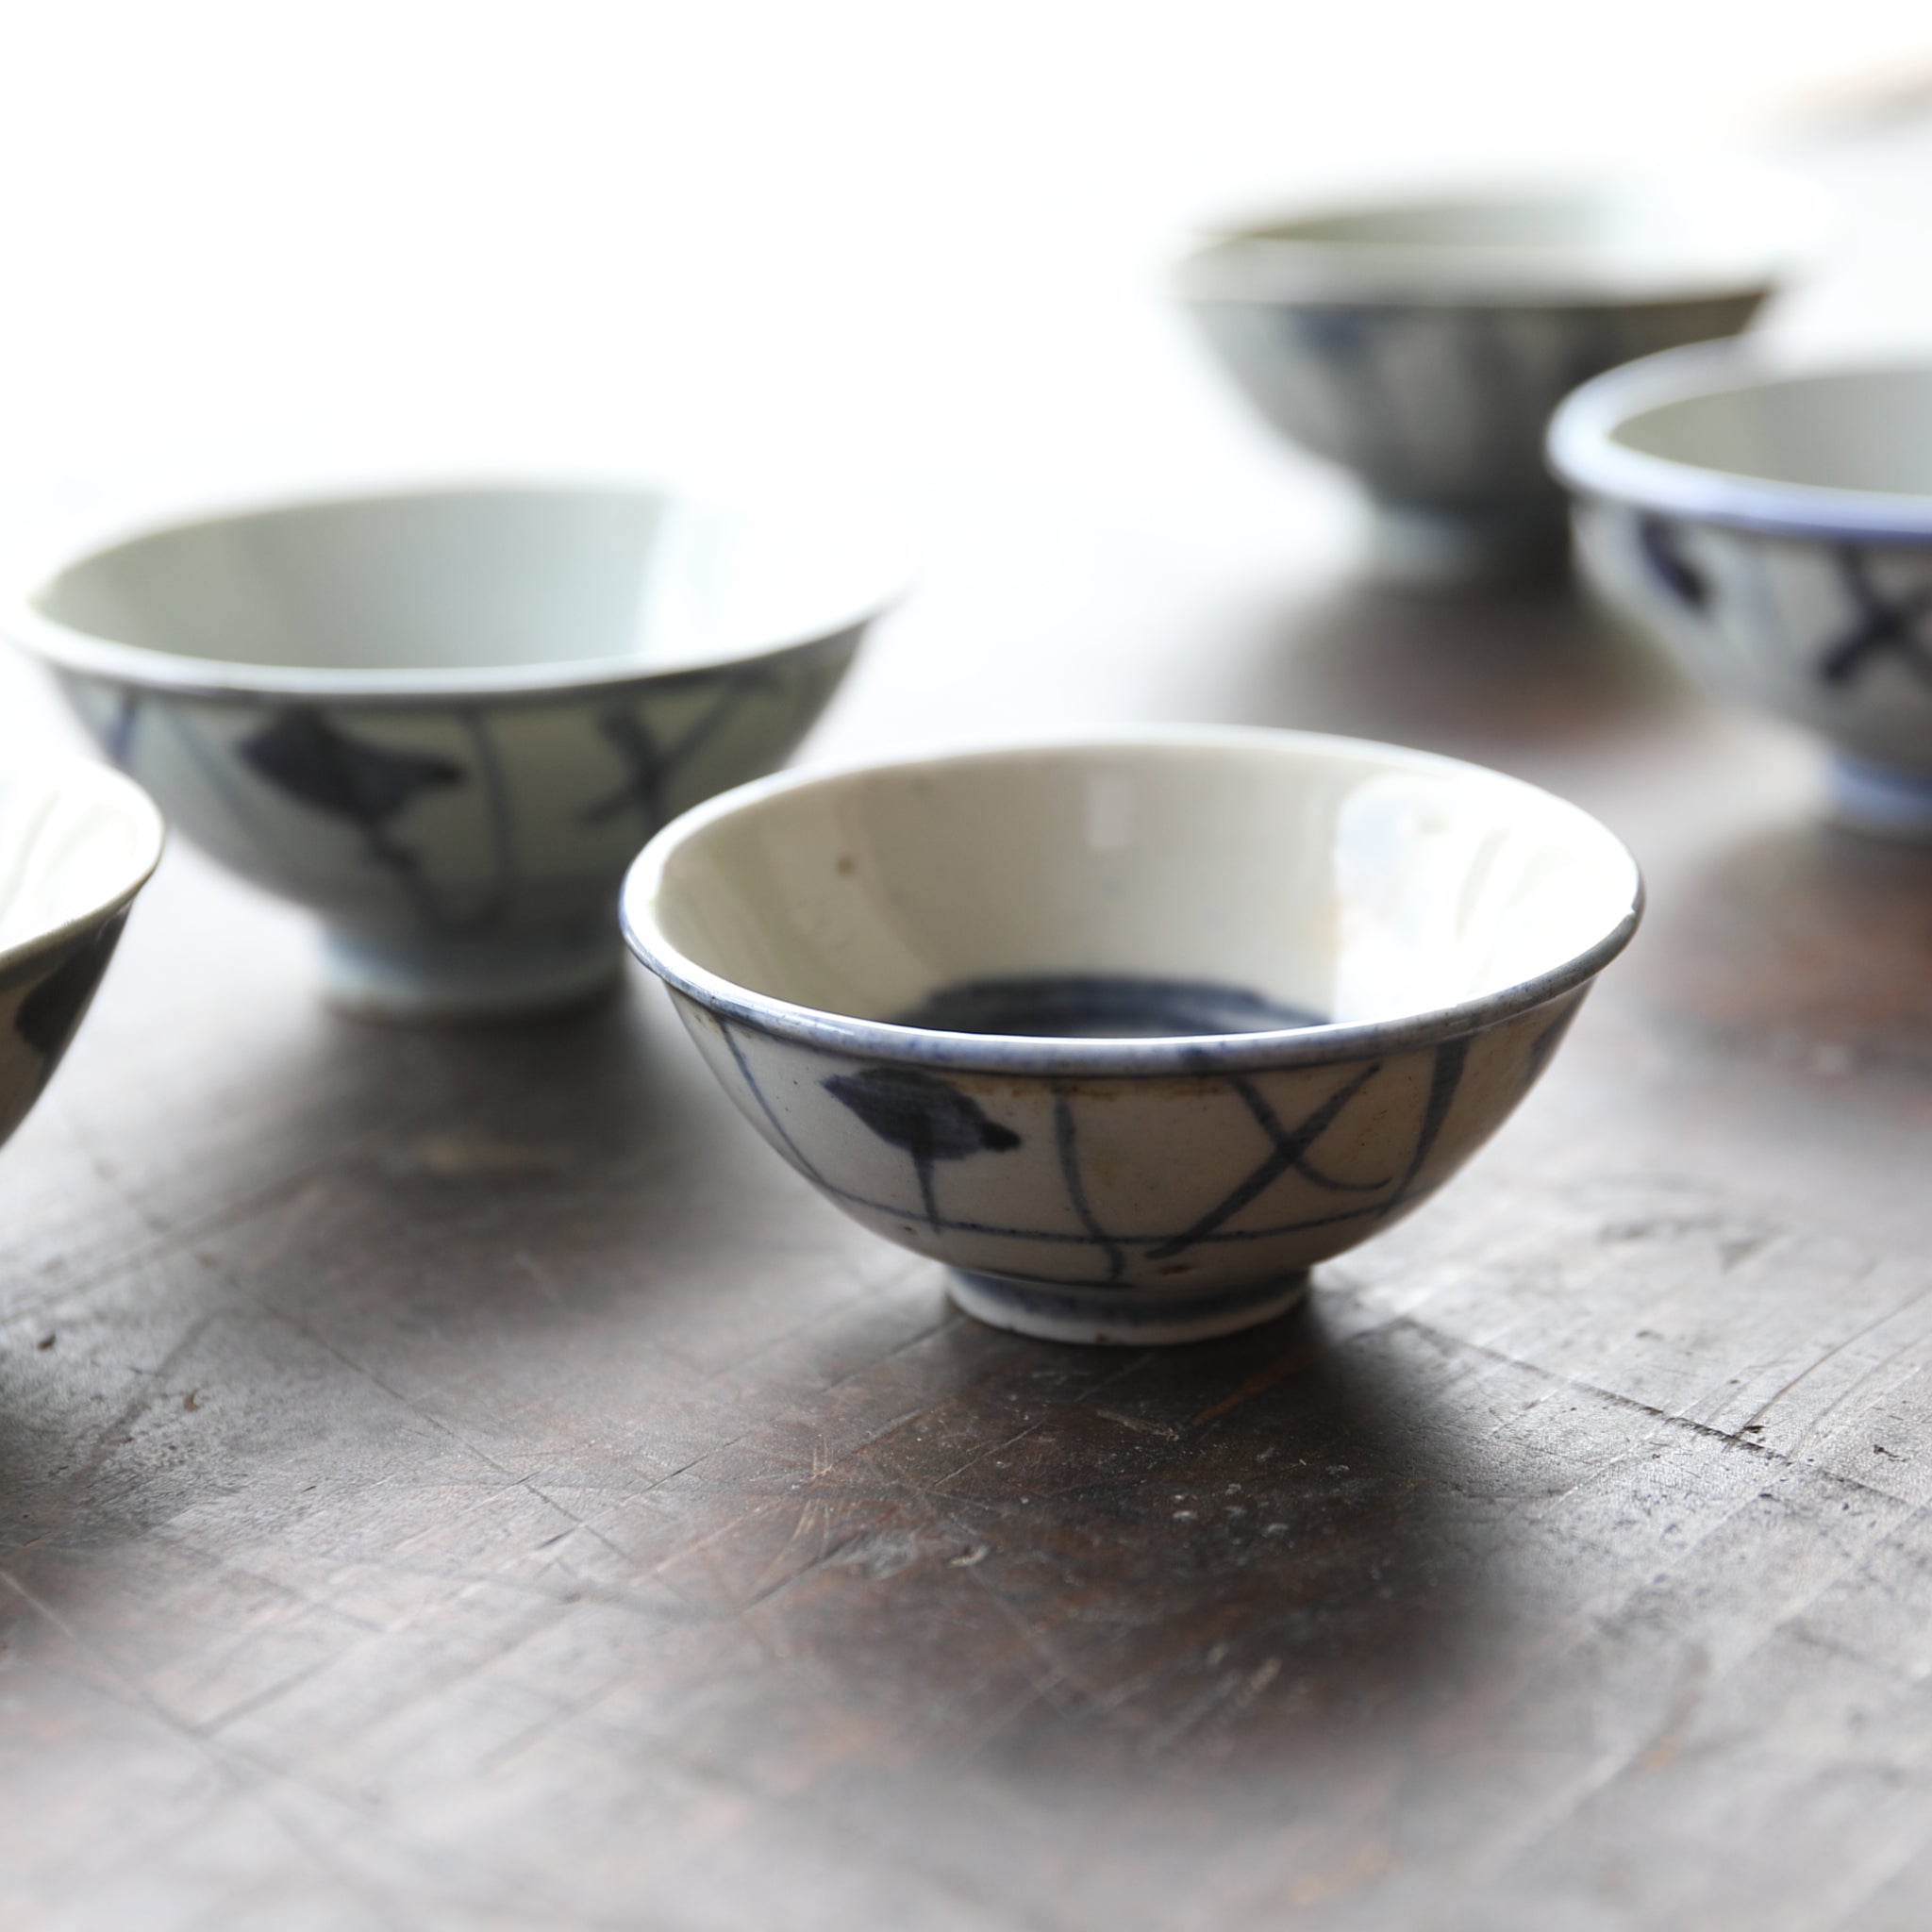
(77, 841)
(1772, 524)
(1423, 344)
(445, 718)
(1131, 1031)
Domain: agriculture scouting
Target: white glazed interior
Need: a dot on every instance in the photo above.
(1356, 881)
(75, 839)
(1633, 240)
(1726, 433)
(473, 589)
(1865, 429)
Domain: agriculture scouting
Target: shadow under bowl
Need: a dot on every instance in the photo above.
(1129, 1032)
(444, 720)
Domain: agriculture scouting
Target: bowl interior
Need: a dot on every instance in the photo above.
(1868, 429)
(1529, 222)
(75, 840)
(471, 580)
(1189, 887)
(1634, 240)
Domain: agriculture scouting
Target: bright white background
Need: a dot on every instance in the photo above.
(913, 244)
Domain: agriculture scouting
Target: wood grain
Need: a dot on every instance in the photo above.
(462, 1481)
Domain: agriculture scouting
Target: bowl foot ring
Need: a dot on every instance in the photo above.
(1120, 1317)
(432, 982)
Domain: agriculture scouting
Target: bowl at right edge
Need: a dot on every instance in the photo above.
(1772, 524)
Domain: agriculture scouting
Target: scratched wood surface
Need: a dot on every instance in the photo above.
(462, 1481)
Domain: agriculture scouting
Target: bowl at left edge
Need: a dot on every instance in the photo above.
(78, 842)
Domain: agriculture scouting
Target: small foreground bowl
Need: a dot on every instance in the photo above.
(1131, 1031)
(1424, 344)
(1774, 525)
(445, 720)
(77, 841)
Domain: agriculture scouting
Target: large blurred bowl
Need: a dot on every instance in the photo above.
(1773, 523)
(1423, 344)
(1131, 1031)
(445, 720)
(77, 841)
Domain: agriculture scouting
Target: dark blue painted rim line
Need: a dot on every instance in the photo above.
(1584, 455)
(1086, 1058)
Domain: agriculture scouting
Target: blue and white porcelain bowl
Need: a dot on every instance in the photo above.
(1129, 1032)
(1423, 344)
(77, 841)
(445, 720)
(1774, 525)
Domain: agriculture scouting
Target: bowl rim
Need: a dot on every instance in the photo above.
(1584, 455)
(67, 648)
(1090, 1059)
(73, 773)
(1258, 256)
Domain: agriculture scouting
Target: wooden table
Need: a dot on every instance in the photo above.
(462, 1481)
